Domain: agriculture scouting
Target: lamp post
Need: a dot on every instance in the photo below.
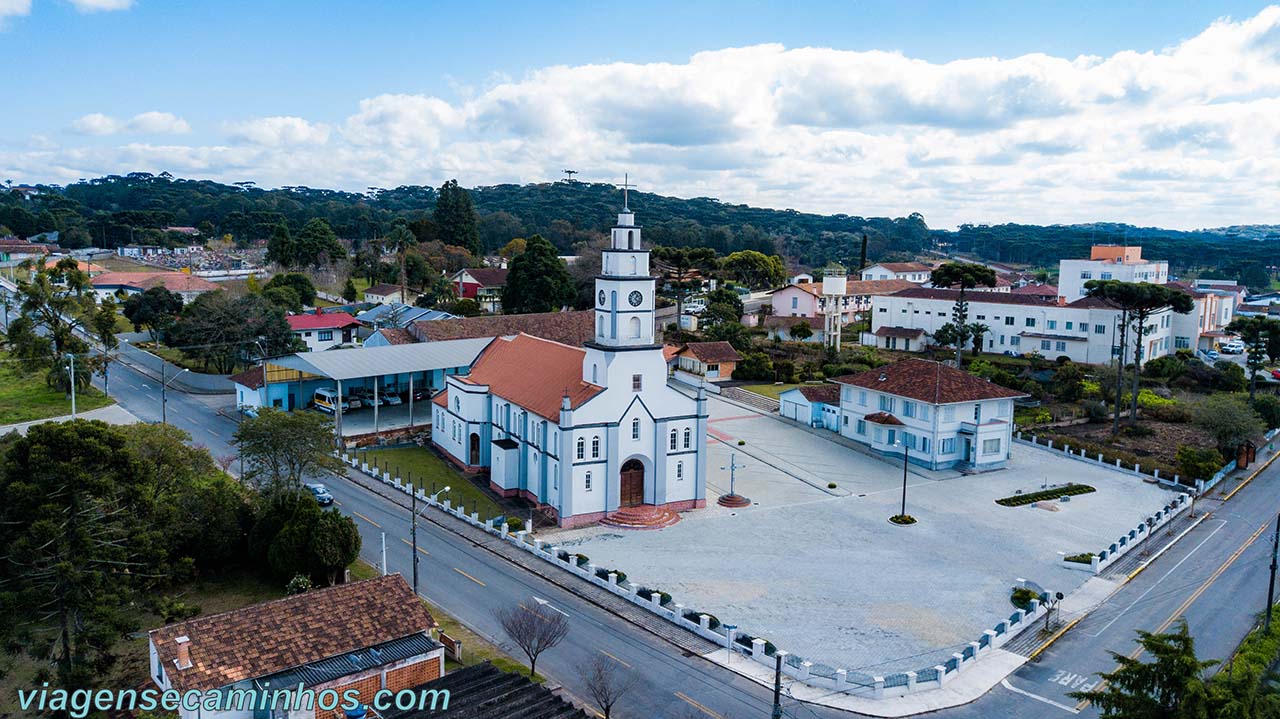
(164, 399)
(413, 529)
(733, 499)
(71, 381)
(903, 513)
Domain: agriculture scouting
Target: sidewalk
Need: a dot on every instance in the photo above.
(111, 414)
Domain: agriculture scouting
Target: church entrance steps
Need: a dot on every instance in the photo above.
(644, 516)
(751, 399)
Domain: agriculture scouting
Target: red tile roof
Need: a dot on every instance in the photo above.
(824, 393)
(274, 636)
(386, 289)
(780, 322)
(858, 288)
(172, 281)
(251, 378)
(883, 418)
(321, 321)
(899, 332)
(533, 373)
(712, 351)
(1038, 290)
(570, 328)
(396, 336)
(488, 276)
(669, 351)
(904, 266)
(927, 381)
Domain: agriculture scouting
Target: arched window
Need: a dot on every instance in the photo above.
(457, 405)
(672, 443)
(679, 471)
(595, 447)
(632, 263)
(631, 239)
(635, 327)
(588, 478)
(594, 371)
(688, 438)
(582, 443)
(635, 429)
(600, 326)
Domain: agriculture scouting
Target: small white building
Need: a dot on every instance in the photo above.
(940, 416)
(189, 287)
(322, 330)
(915, 272)
(817, 405)
(1109, 262)
(389, 294)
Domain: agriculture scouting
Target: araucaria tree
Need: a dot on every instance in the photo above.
(59, 299)
(538, 280)
(456, 218)
(1170, 686)
(399, 242)
(962, 276)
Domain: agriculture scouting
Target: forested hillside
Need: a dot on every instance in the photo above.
(134, 208)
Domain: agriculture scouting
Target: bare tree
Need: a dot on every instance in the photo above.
(534, 629)
(607, 682)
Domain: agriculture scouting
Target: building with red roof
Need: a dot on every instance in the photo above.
(321, 330)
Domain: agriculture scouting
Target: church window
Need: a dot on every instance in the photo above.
(588, 478)
(582, 444)
(688, 437)
(679, 471)
(635, 327)
(631, 262)
(637, 382)
(594, 371)
(672, 443)
(595, 447)
(600, 326)
(457, 405)
(635, 429)
(631, 239)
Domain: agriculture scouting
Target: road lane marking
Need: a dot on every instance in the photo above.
(698, 706)
(468, 576)
(607, 654)
(1191, 599)
(1158, 581)
(548, 605)
(370, 521)
(420, 549)
(1005, 683)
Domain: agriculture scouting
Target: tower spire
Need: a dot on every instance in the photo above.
(626, 185)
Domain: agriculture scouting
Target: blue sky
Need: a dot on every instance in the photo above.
(890, 107)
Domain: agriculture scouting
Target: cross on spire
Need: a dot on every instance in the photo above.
(626, 185)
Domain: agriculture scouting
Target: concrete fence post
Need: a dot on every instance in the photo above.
(1157, 474)
(1050, 444)
(878, 690)
(959, 661)
(447, 504)
(613, 578)
(911, 682)
(528, 526)
(842, 679)
(804, 670)
(991, 639)
(757, 647)
(943, 677)
(1117, 464)
(704, 621)
(1095, 563)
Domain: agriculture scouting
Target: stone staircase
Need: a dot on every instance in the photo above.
(645, 516)
(751, 399)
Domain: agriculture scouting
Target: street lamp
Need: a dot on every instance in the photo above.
(902, 444)
(413, 528)
(71, 381)
(164, 414)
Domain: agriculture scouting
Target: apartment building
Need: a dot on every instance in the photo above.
(1109, 262)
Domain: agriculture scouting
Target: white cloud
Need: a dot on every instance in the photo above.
(1185, 136)
(101, 5)
(146, 123)
(279, 132)
(13, 8)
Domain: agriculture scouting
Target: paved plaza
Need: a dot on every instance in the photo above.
(824, 575)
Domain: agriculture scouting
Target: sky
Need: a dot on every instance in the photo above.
(1152, 113)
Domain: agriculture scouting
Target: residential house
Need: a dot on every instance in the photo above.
(575, 328)
(389, 336)
(806, 300)
(187, 286)
(321, 330)
(939, 416)
(817, 405)
(1083, 330)
(1204, 328)
(714, 361)
(1109, 262)
(364, 636)
(781, 328)
(914, 272)
(399, 315)
(386, 294)
(482, 284)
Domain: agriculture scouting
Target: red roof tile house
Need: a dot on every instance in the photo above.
(482, 284)
(714, 361)
(389, 294)
(363, 636)
(941, 417)
(188, 286)
(322, 330)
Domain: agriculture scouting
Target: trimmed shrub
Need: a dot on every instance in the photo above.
(903, 519)
(603, 573)
(1137, 430)
(582, 560)
(1148, 399)
(1070, 490)
(693, 616)
(1268, 407)
(1021, 597)
(1083, 558)
(1198, 462)
(663, 598)
(1096, 411)
(746, 639)
(515, 524)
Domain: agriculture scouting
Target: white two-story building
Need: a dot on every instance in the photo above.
(940, 416)
(1109, 262)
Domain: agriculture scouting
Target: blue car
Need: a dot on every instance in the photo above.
(321, 493)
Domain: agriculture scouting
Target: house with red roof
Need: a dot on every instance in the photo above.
(938, 416)
(108, 284)
(482, 284)
(321, 330)
(587, 431)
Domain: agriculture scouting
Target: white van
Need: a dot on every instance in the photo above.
(326, 400)
(1234, 347)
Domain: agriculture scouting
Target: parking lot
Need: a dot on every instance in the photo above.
(824, 575)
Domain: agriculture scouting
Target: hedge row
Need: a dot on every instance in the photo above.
(1128, 460)
(1018, 500)
(1084, 558)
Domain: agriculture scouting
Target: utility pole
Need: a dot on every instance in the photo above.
(777, 685)
(413, 532)
(384, 554)
(1271, 586)
(71, 379)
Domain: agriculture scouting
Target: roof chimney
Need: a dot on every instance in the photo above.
(184, 652)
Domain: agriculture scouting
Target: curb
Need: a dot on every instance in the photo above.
(1249, 479)
(1142, 567)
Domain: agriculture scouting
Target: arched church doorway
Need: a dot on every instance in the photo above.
(475, 450)
(632, 485)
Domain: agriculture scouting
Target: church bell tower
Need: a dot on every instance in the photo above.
(624, 301)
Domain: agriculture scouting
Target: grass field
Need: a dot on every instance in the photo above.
(772, 391)
(432, 474)
(25, 397)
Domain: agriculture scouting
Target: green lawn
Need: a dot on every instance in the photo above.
(24, 396)
(433, 474)
(772, 391)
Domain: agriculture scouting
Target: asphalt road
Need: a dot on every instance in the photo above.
(1216, 577)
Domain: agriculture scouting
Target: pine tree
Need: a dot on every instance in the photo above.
(1171, 686)
(538, 280)
(456, 218)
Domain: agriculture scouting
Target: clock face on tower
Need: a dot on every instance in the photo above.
(635, 298)
(601, 297)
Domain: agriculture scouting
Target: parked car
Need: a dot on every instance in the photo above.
(249, 411)
(365, 397)
(1234, 347)
(421, 394)
(1275, 373)
(320, 492)
(391, 398)
(1212, 354)
(326, 400)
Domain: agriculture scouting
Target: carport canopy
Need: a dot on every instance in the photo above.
(363, 362)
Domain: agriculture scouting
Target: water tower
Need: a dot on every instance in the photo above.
(834, 287)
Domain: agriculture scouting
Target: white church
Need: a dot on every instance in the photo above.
(590, 433)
